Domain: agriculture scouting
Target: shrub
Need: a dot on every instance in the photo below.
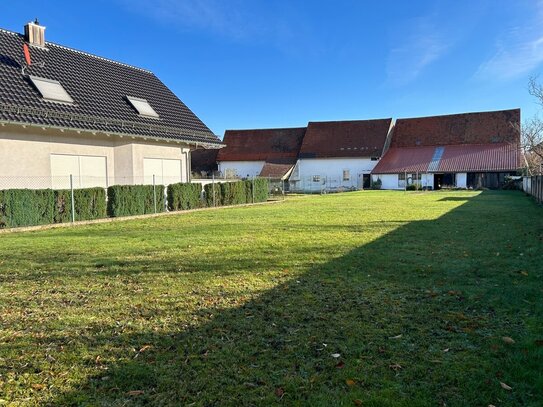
(184, 196)
(233, 193)
(26, 207)
(260, 189)
(211, 189)
(89, 203)
(127, 200)
(411, 187)
(376, 184)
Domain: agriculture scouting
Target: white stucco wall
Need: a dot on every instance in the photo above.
(241, 169)
(330, 171)
(25, 155)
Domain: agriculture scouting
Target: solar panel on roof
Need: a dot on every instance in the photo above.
(51, 90)
(143, 107)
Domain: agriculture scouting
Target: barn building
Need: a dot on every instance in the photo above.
(468, 150)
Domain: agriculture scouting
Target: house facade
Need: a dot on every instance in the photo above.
(339, 155)
(67, 116)
(269, 153)
(469, 150)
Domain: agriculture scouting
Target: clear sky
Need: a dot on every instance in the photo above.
(262, 63)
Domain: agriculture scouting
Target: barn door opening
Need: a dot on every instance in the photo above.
(438, 181)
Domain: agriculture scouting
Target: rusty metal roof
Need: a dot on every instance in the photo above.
(451, 158)
(276, 170)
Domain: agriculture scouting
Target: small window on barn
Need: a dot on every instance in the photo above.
(401, 180)
(51, 90)
(346, 175)
(143, 107)
(316, 178)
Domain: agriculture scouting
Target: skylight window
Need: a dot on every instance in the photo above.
(51, 90)
(143, 107)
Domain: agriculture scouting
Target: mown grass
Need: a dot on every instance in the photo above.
(371, 298)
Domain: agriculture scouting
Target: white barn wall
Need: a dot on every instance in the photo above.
(331, 172)
(461, 180)
(390, 181)
(241, 169)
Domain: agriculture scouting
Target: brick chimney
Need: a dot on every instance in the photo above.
(35, 33)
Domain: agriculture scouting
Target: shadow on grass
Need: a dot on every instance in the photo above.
(413, 318)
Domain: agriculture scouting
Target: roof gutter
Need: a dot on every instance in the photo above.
(113, 133)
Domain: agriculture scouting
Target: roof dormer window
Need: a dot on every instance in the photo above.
(51, 90)
(143, 107)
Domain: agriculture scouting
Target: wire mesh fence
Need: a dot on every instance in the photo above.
(30, 201)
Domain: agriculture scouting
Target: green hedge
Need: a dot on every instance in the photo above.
(26, 207)
(261, 189)
(209, 189)
(89, 204)
(127, 200)
(237, 193)
(184, 196)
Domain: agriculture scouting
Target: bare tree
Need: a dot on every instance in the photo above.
(531, 133)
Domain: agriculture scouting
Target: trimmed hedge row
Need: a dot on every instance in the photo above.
(184, 196)
(128, 200)
(30, 207)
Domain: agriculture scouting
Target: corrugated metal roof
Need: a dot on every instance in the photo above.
(408, 159)
(454, 158)
(480, 157)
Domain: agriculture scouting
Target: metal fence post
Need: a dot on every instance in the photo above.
(72, 196)
(154, 192)
(213, 188)
(253, 189)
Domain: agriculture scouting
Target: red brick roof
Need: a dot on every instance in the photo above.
(465, 128)
(356, 138)
(498, 157)
(262, 145)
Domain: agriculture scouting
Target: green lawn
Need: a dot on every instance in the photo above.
(367, 298)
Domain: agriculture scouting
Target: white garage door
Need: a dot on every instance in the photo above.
(87, 171)
(165, 171)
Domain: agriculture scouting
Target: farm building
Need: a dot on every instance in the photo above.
(67, 113)
(269, 153)
(459, 150)
(339, 155)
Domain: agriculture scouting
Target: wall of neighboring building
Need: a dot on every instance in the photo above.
(240, 169)
(392, 181)
(316, 174)
(29, 157)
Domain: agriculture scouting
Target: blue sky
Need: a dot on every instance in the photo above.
(261, 63)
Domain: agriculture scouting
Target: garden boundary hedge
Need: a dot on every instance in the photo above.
(128, 200)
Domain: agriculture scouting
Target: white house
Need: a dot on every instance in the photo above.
(67, 113)
(460, 150)
(339, 154)
(260, 152)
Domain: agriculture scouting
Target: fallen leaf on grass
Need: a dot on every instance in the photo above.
(395, 367)
(358, 402)
(135, 392)
(508, 340)
(340, 365)
(350, 382)
(395, 337)
(505, 386)
(524, 273)
(336, 355)
(446, 350)
(37, 386)
(279, 392)
(144, 348)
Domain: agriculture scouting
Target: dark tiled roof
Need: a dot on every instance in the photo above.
(356, 138)
(99, 88)
(262, 144)
(465, 128)
(204, 160)
(497, 157)
(276, 170)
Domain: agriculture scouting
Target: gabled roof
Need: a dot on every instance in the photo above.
(466, 128)
(497, 157)
(276, 145)
(276, 170)
(99, 88)
(354, 138)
